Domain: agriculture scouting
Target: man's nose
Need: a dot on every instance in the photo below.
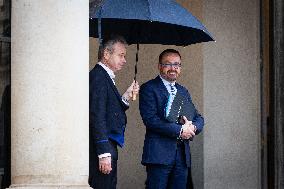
(173, 67)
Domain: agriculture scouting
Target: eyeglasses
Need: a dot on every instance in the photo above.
(168, 64)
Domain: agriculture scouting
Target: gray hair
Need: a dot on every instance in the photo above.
(108, 45)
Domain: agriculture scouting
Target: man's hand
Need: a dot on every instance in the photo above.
(133, 89)
(188, 129)
(105, 165)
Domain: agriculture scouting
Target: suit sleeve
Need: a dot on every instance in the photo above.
(198, 120)
(98, 115)
(148, 105)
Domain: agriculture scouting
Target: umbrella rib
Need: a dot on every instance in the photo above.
(150, 12)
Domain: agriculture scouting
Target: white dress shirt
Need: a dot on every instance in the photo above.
(112, 76)
(172, 96)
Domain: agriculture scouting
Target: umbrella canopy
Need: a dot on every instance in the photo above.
(148, 22)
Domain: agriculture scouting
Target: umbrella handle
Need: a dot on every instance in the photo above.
(134, 96)
(133, 93)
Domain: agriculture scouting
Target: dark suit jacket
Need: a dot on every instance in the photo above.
(160, 142)
(107, 113)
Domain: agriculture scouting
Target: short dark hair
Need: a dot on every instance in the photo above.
(168, 51)
(108, 44)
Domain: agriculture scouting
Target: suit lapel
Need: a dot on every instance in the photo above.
(110, 82)
(161, 87)
(181, 90)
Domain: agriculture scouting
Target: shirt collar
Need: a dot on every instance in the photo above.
(108, 70)
(167, 83)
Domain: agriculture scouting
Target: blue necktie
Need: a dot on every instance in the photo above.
(173, 92)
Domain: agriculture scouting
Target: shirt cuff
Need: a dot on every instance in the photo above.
(180, 133)
(125, 101)
(104, 155)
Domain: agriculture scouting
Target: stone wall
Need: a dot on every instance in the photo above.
(232, 95)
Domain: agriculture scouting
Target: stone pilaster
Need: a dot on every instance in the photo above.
(50, 62)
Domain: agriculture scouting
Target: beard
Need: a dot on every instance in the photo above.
(169, 77)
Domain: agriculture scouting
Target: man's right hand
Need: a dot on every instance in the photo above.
(188, 129)
(105, 165)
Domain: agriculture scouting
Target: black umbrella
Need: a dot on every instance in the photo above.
(146, 22)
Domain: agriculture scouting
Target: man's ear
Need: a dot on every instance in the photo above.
(106, 54)
(159, 66)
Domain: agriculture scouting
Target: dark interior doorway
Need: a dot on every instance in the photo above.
(276, 124)
(5, 102)
(272, 73)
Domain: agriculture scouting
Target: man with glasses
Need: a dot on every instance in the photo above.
(166, 152)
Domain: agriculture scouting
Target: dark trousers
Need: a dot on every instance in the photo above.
(97, 179)
(189, 180)
(172, 176)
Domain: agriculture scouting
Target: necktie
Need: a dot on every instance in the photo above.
(173, 92)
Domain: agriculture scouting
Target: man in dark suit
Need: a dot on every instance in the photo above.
(166, 152)
(107, 113)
